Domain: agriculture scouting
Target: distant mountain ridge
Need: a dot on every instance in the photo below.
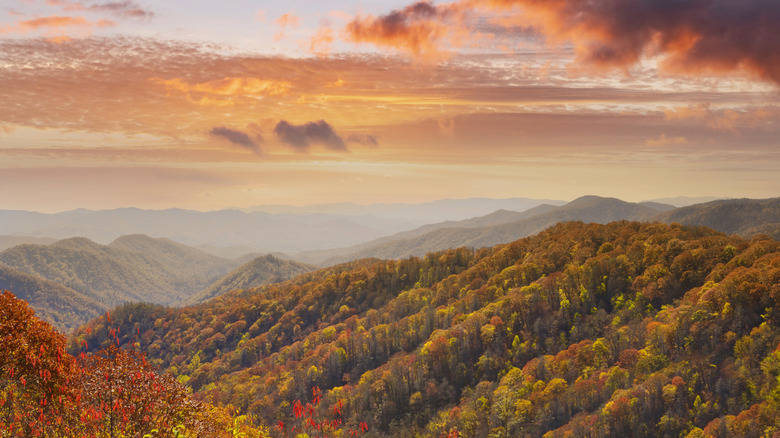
(429, 212)
(285, 229)
(760, 216)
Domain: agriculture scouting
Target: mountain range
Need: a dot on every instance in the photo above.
(288, 230)
(73, 280)
(87, 277)
(744, 217)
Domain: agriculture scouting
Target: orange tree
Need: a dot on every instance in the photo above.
(46, 392)
(37, 396)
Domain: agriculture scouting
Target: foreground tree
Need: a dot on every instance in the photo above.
(37, 397)
(46, 392)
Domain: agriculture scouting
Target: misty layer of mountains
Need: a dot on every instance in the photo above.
(280, 229)
(744, 217)
(73, 280)
(102, 260)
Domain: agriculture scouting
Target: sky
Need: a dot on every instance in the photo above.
(207, 105)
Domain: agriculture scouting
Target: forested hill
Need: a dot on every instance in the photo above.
(61, 306)
(257, 272)
(625, 329)
(133, 268)
(744, 217)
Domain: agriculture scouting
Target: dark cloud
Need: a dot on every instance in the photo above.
(364, 139)
(418, 28)
(123, 9)
(119, 9)
(237, 138)
(692, 36)
(302, 136)
(695, 36)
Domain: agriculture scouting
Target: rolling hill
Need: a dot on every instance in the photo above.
(60, 306)
(260, 271)
(133, 268)
(743, 217)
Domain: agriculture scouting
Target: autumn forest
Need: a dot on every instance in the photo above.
(624, 329)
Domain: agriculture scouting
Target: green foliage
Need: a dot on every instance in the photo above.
(656, 334)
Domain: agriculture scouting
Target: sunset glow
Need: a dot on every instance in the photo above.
(197, 105)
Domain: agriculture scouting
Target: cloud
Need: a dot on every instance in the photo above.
(285, 21)
(54, 23)
(690, 36)
(302, 136)
(724, 120)
(238, 138)
(321, 42)
(663, 140)
(119, 9)
(419, 29)
(364, 139)
(220, 92)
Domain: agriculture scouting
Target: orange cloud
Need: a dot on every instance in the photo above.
(56, 22)
(421, 29)
(226, 87)
(723, 120)
(55, 26)
(663, 140)
(321, 41)
(286, 20)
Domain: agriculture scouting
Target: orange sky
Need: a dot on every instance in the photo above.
(112, 104)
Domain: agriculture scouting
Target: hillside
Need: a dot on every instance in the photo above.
(180, 258)
(133, 268)
(258, 272)
(498, 227)
(743, 217)
(60, 306)
(628, 329)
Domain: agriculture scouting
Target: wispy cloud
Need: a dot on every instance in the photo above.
(285, 21)
(54, 27)
(119, 9)
(363, 139)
